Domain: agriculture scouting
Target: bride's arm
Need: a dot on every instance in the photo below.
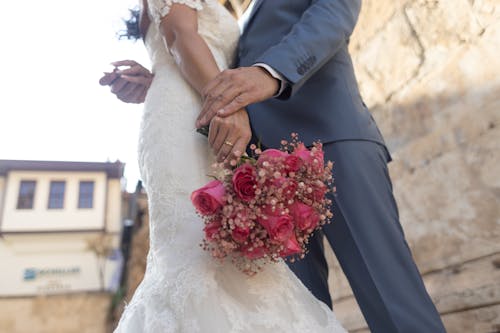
(191, 53)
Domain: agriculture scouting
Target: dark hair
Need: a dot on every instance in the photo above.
(132, 30)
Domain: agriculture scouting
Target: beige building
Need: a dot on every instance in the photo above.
(60, 227)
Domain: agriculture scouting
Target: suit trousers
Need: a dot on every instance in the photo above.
(369, 243)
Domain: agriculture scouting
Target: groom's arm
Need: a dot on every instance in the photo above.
(322, 30)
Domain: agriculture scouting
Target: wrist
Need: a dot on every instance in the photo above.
(273, 83)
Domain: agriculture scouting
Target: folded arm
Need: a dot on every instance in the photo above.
(228, 137)
(322, 30)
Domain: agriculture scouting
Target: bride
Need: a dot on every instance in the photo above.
(184, 290)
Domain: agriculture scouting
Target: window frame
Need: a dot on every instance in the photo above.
(33, 194)
(79, 203)
(63, 194)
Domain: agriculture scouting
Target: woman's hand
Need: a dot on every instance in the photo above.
(229, 136)
(131, 84)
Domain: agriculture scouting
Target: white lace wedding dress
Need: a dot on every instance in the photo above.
(184, 290)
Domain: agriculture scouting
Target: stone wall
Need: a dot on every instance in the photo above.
(430, 72)
(77, 313)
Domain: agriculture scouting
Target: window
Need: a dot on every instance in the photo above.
(56, 194)
(86, 195)
(26, 194)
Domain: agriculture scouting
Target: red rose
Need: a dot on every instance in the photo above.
(211, 230)
(244, 182)
(240, 234)
(208, 199)
(279, 226)
(253, 252)
(293, 163)
(305, 217)
(291, 247)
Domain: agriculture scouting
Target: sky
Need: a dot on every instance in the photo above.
(52, 107)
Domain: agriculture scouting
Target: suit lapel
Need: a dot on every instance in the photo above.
(255, 8)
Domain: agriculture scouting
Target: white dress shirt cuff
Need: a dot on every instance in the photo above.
(274, 74)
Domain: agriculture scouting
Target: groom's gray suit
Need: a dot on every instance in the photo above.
(306, 41)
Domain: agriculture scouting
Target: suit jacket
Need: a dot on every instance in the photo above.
(306, 41)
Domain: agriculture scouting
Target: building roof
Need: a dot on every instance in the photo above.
(112, 169)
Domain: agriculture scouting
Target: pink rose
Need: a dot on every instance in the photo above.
(318, 193)
(288, 185)
(240, 234)
(253, 252)
(305, 217)
(293, 163)
(211, 230)
(290, 189)
(270, 154)
(314, 159)
(244, 182)
(303, 153)
(208, 199)
(291, 247)
(274, 157)
(279, 226)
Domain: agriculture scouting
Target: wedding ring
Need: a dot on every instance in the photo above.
(228, 143)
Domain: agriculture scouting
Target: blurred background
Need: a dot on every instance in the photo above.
(73, 214)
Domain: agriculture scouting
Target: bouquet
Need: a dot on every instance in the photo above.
(266, 206)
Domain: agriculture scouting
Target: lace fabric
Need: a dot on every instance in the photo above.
(161, 8)
(184, 290)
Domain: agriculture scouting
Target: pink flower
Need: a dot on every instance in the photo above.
(293, 163)
(305, 217)
(318, 193)
(303, 153)
(278, 225)
(240, 234)
(244, 182)
(211, 230)
(253, 252)
(291, 247)
(272, 154)
(288, 185)
(290, 189)
(208, 199)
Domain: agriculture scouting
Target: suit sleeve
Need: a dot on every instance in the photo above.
(322, 30)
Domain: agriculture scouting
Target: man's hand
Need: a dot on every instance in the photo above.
(230, 136)
(233, 90)
(130, 85)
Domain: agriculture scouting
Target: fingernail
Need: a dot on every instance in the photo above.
(220, 112)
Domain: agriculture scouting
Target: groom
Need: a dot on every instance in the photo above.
(295, 75)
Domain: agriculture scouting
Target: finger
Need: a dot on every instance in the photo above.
(215, 93)
(137, 79)
(225, 150)
(219, 140)
(118, 85)
(142, 96)
(135, 70)
(205, 94)
(137, 95)
(124, 63)
(239, 102)
(128, 90)
(212, 132)
(108, 78)
(239, 147)
(224, 98)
